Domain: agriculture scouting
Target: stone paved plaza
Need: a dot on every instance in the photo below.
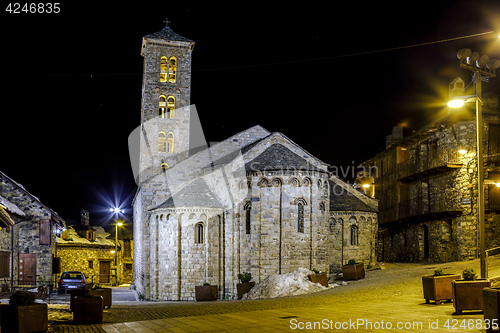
(383, 300)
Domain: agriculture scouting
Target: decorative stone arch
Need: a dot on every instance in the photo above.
(331, 226)
(322, 207)
(203, 217)
(353, 231)
(248, 211)
(294, 182)
(307, 182)
(263, 182)
(299, 200)
(277, 182)
(192, 216)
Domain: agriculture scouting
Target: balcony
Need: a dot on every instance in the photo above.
(415, 169)
(429, 208)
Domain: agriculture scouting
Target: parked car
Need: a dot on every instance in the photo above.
(71, 280)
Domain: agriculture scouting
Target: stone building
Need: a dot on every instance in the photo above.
(91, 250)
(27, 237)
(256, 202)
(426, 184)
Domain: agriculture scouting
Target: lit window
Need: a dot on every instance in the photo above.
(162, 142)
(163, 69)
(198, 230)
(170, 139)
(162, 106)
(172, 69)
(171, 106)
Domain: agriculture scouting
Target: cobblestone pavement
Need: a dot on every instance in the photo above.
(389, 296)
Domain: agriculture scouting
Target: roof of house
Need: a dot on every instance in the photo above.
(195, 194)
(167, 34)
(345, 199)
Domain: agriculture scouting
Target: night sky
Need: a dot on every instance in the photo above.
(71, 82)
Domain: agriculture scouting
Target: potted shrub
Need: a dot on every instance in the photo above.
(106, 293)
(319, 277)
(245, 285)
(491, 306)
(206, 292)
(353, 270)
(437, 287)
(468, 292)
(23, 314)
(87, 308)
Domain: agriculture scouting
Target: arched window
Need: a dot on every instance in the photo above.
(172, 69)
(164, 166)
(170, 139)
(300, 219)
(198, 233)
(248, 210)
(171, 106)
(163, 69)
(354, 235)
(162, 107)
(162, 142)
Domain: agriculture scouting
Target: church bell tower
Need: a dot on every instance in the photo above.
(166, 90)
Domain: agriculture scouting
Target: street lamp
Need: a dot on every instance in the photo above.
(116, 211)
(480, 65)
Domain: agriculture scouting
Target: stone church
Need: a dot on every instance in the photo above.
(256, 202)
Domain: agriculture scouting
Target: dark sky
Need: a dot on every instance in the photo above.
(71, 82)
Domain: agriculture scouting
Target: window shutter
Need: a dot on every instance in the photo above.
(45, 232)
(4, 264)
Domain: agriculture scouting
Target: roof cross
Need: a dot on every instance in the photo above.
(166, 22)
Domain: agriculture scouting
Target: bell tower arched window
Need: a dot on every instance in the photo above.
(170, 142)
(198, 233)
(300, 211)
(171, 106)
(162, 106)
(163, 69)
(162, 142)
(172, 69)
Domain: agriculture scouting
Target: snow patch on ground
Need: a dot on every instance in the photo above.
(281, 285)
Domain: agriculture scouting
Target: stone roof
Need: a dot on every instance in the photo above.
(279, 157)
(167, 34)
(342, 200)
(195, 194)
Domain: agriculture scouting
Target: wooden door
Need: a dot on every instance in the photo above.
(104, 268)
(27, 268)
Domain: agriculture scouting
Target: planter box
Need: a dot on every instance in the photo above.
(243, 288)
(468, 295)
(205, 293)
(353, 272)
(320, 278)
(72, 295)
(438, 288)
(87, 309)
(491, 306)
(24, 318)
(106, 293)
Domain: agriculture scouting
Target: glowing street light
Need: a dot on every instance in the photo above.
(479, 65)
(116, 210)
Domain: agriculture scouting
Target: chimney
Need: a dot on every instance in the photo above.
(84, 217)
(394, 137)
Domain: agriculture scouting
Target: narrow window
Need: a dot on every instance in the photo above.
(300, 214)
(170, 138)
(172, 69)
(4, 264)
(199, 233)
(162, 107)
(162, 142)
(163, 69)
(164, 166)
(171, 106)
(248, 210)
(354, 235)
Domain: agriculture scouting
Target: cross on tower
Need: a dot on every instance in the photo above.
(166, 22)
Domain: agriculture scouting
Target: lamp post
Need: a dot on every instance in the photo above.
(479, 65)
(116, 211)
